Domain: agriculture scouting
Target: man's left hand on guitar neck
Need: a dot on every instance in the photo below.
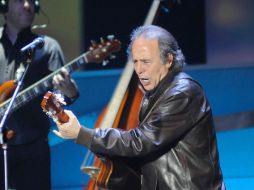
(65, 84)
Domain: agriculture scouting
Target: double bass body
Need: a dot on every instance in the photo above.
(117, 173)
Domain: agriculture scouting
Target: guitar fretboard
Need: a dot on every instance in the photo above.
(41, 86)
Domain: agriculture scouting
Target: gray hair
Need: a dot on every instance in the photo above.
(167, 44)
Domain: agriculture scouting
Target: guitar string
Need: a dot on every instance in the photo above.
(42, 85)
(109, 48)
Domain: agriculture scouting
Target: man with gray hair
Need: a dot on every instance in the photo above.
(174, 144)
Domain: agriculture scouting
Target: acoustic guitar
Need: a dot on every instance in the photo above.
(52, 104)
(110, 171)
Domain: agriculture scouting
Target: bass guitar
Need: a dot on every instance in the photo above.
(97, 53)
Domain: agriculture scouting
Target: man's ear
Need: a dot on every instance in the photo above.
(169, 60)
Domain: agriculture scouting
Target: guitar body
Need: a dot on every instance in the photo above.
(6, 89)
(112, 175)
(108, 173)
(124, 176)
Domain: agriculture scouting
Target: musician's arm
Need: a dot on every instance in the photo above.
(61, 81)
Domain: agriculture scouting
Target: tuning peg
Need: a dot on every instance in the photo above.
(93, 45)
(60, 99)
(102, 40)
(112, 56)
(105, 62)
(110, 37)
(93, 42)
(104, 50)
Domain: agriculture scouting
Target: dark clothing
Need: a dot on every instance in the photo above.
(29, 156)
(29, 122)
(175, 143)
(28, 166)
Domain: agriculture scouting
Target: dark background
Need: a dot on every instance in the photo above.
(183, 18)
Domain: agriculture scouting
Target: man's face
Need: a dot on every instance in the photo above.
(147, 62)
(20, 13)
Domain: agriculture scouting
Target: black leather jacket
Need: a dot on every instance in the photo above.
(175, 142)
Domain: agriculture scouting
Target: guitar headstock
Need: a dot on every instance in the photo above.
(53, 104)
(98, 52)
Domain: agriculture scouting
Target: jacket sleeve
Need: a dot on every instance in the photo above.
(172, 116)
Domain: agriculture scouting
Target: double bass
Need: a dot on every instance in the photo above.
(121, 112)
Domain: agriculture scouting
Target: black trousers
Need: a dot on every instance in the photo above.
(28, 166)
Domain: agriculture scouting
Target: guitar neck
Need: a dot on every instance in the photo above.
(42, 85)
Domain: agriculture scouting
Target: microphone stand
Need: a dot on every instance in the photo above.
(6, 113)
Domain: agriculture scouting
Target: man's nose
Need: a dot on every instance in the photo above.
(138, 68)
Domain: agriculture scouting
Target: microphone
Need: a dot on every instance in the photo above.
(37, 43)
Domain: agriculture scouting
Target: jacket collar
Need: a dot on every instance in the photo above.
(154, 95)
